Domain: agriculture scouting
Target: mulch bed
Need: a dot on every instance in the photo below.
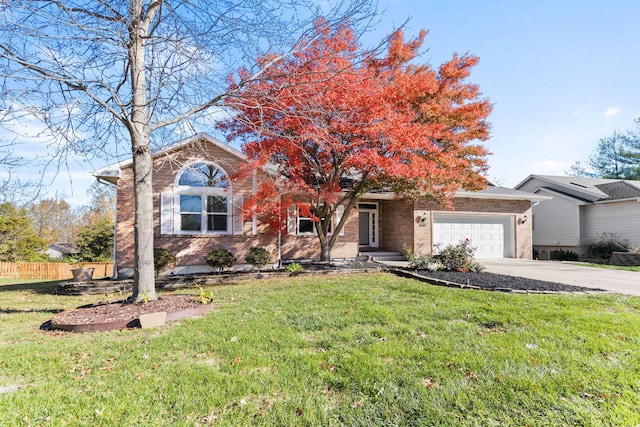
(499, 282)
(121, 314)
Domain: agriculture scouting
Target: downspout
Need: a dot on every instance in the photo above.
(280, 233)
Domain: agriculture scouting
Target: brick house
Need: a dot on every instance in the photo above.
(196, 210)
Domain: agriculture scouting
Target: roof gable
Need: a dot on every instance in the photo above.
(591, 190)
(111, 173)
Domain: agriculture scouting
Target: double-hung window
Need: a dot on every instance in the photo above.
(204, 213)
(305, 225)
(201, 203)
(301, 226)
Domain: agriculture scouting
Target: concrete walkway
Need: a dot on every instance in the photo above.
(623, 282)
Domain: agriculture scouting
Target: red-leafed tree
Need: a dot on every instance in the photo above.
(334, 121)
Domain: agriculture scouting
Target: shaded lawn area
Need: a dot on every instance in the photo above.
(357, 350)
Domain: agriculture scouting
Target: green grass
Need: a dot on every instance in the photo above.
(358, 350)
(612, 267)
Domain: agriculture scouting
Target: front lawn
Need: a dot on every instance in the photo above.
(357, 350)
(613, 267)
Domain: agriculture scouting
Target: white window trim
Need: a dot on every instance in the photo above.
(170, 215)
(192, 191)
(293, 223)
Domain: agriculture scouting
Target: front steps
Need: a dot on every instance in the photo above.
(383, 256)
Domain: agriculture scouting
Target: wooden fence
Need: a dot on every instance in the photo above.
(50, 270)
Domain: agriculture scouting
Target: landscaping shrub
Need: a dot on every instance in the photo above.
(562, 255)
(459, 257)
(162, 258)
(204, 297)
(606, 244)
(294, 267)
(220, 258)
(258, 257)
(419, 262)
(423, 262)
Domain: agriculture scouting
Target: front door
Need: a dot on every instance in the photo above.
(368, 224)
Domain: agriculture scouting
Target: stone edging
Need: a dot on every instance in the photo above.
(131, 323)
(176, 282)
(99, 287)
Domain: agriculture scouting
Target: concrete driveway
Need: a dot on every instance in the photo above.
(623, 282)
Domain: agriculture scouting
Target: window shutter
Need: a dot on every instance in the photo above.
(339, 213)
(254, 224)
(238, 222)
(166, 213)
(292, 218)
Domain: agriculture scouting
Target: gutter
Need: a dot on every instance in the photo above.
(630, 199)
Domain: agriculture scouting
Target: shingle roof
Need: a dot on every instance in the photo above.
(619, 190)
(591, 190)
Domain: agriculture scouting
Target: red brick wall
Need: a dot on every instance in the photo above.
(125, 218)
(192, 249)
(396, 224)
(519, 209)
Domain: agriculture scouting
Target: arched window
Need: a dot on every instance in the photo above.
(202, 199)
(203, 175)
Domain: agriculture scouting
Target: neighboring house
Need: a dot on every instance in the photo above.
(61, 250)
(582, 209)
(197, 210)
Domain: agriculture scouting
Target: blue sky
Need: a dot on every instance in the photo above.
(561, 74)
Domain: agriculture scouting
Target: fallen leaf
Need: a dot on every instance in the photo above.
(428, 382)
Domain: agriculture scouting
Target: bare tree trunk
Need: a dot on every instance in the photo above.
(144, 277)
(325, 250)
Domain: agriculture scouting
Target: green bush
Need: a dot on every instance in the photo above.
(459, 257)
(419, 262)
(294, 267)
(562, 255)
(162, 258)
(95, 241)
(606, 244)
(220, 258)
(204, 297)
(258, 257)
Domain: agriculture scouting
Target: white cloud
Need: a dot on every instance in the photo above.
(612, 112)
(551, 167)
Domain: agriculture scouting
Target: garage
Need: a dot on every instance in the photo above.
(492, 236)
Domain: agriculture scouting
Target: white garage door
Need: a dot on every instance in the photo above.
(490, 236)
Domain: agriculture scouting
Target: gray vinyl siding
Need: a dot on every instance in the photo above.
(556, 221)
(622, 218)
(532, 185)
